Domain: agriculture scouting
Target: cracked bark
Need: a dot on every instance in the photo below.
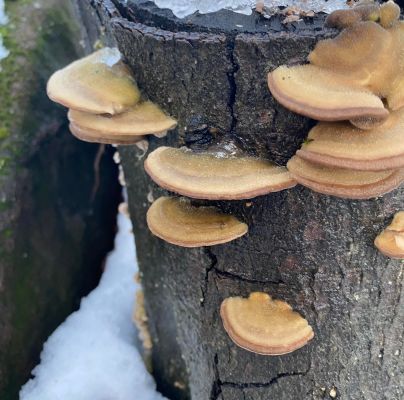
(314, 251)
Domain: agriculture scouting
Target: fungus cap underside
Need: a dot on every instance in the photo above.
(92, 136)
(142, 119)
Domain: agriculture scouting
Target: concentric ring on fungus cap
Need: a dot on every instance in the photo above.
(144, 118)
(99, 83)
(207, 176)
(177, 222)
(339, 144)
(88, 135)
(264, 326)
(342, 182)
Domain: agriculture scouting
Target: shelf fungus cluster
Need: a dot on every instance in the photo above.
(264, 326)
(391, 241)
(354, 85)
(207, 176)
(104, 102)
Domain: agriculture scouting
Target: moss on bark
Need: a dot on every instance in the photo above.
(54, 232)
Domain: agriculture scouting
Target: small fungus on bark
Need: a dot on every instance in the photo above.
(339, 144)
(99, 83)
(264, 326)
(391, 241)
(343, 182)
(144, 118)
(212, 177)
(178, 222)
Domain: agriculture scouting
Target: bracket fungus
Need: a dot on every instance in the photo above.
(339, 144)
(177, 222)
(343, 182)
(104, 101)
(208, 176)
(391, 241)
(323, 95)
(264, 326)
(125, 128)
(99, 83)
(349, 76)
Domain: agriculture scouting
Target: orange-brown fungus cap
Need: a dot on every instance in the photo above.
(142, 119)
(339, 144)
(391, 241)
(323, 95)
(395, 98)
(389, 14)
(342, 19)
(89, 135)
(208, 176)
(99, 83)
(342, 182)
(371, 56)
(263, 325)
(176, 221)
(365, 62)
(359, 52)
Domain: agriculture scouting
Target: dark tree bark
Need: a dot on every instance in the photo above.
(314, 251)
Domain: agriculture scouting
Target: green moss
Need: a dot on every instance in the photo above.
(7, 233)
(40, 40)
(51, 41)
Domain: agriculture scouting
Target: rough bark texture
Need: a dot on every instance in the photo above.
(57, 214)
(314, 251)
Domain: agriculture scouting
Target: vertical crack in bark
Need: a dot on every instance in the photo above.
(217, 384)
(232, 81)
(213, 262)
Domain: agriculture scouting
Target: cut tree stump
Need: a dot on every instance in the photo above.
(314, 251)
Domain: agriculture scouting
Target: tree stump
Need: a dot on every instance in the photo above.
(314, 251)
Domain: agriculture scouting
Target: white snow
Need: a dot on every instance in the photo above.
(92, 355)
(182, 8)
(3, 20)
(109, 56)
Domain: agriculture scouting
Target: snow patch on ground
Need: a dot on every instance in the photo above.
(92, 355)
(3, 20)
(182, 8)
